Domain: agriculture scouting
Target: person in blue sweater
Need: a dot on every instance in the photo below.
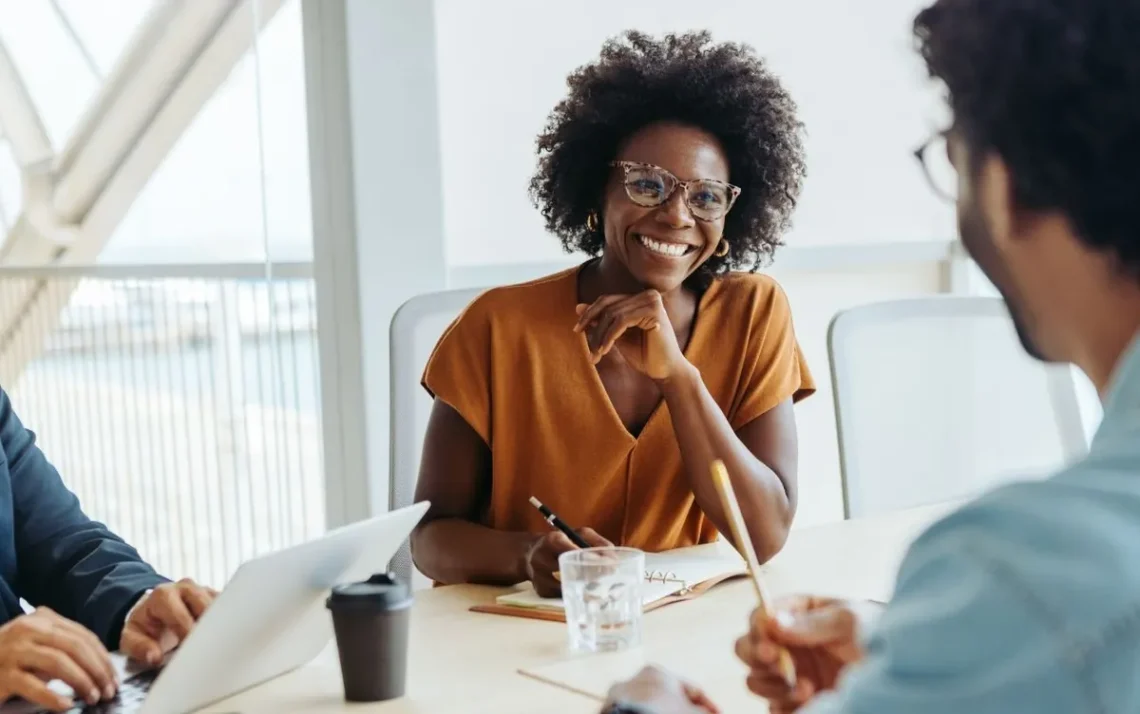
(91, 591)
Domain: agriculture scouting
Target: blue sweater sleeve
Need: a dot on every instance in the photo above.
(967, 629)
(65, 560)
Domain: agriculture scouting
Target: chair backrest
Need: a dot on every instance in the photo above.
(416, 327)
(935, 400)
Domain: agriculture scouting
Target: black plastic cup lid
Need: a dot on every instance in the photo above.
(380, 592)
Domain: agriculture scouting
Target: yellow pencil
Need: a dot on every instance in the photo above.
(744, 543)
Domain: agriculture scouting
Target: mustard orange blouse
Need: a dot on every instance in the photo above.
(516, 371)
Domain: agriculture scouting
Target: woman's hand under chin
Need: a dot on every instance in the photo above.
(638, 326)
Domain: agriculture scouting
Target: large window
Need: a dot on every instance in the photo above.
(157, 308)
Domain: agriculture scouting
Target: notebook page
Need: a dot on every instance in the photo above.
(691, 566)
(696, 564)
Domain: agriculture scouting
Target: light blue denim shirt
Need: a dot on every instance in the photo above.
(1025, 601)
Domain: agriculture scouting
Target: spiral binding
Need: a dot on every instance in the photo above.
(666, 576)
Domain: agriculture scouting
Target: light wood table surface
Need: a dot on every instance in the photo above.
(470, 663)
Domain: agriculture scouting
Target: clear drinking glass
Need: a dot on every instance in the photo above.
(601, 591)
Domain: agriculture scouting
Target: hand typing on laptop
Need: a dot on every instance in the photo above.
(43, 646)
(163, 618)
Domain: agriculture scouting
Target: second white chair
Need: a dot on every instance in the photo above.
(936, 400)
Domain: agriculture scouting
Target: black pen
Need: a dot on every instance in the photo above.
(557, 523)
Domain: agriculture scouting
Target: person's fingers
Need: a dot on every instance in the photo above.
(547, 587)
(745, 650)
(94, 660)
(766, 623)
(768, 653)
(698, 698)
(776, 690)
(804, 622)
(608, 331)
(601, 326)
(755, 654)
(828, 625)
(596, 308)
(197, 599)
(558, 543)
(590, 314)
(35, 690)
(544, 563)
(622, 323)
(762, 621)
(543, 559)
(137, 644)
(771, 687)
(166, 606)
(639, 311)
(545, 583)
(592, 537)
(757, 648)
(52, 663)
(793, 604)
(108, 682)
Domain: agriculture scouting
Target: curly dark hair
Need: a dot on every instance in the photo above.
(1053, 88)
(724, 89)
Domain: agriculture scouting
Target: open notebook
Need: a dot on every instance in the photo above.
(671, 576)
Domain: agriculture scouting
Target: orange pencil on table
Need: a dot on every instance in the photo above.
(744, 542)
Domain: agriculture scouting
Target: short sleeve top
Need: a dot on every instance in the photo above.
(514, 369)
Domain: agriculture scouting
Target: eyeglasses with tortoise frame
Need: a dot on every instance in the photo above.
(649, 186)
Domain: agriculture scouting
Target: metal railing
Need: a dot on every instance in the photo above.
(181, 403)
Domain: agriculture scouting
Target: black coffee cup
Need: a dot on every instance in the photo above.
(371, 624)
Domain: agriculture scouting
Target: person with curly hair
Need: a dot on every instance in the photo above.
(606, 391)
(1028, 598)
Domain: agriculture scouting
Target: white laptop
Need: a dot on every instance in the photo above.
(270, 619)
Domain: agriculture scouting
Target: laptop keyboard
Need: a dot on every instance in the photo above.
(132, 693)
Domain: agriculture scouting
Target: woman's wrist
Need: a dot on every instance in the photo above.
(527, 544)
(685, 374)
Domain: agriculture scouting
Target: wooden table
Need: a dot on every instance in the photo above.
(466, 662)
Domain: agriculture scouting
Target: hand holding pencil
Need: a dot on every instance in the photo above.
(744, 544)
(800, 646)
(541, 559)
(822, 636)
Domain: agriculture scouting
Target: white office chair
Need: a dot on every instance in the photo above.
(936, 400)
(415, 329)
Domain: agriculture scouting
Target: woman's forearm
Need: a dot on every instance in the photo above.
(704, 435)
(452, 551)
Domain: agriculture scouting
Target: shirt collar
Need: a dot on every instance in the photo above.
(1124, 387)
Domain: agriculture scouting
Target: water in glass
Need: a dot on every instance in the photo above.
(601, 590)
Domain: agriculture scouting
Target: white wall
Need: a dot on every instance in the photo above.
(862, 96)
(816, 297)
(849, 66)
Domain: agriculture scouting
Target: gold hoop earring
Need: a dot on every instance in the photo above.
(722, 249)
(592, 222)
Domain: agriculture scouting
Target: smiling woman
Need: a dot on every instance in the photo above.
(607, 390)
